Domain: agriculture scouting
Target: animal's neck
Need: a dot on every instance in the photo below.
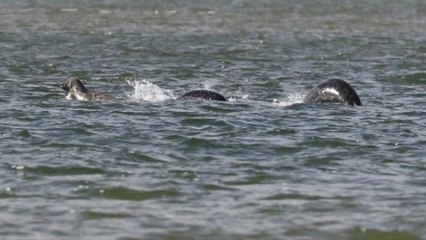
(76, 96)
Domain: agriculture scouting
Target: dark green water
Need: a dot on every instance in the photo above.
(262, 166)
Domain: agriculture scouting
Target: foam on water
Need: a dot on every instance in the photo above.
(294, 98)
(144, 90)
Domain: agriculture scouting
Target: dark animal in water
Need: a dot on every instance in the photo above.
(334, 90)
(77, 91)
(203, 94)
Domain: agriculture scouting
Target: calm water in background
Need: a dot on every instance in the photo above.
(261, 166)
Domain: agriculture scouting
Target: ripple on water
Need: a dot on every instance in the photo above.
(65, 170)
(130, 194)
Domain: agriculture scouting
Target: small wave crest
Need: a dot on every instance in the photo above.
(294, 98)
(144, 90)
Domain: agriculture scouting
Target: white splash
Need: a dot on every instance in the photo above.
(294, 98)
(207, 85)
(238, 95)
(144, 90)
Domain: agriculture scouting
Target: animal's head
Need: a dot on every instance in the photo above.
(75, 89)
(74, 85)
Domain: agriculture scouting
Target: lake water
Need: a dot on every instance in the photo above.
(261, 166)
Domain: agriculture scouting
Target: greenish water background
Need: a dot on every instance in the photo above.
(261, 166)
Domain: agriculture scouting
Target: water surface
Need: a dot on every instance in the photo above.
(261, 166)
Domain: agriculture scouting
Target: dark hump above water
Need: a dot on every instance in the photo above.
(203, 94)
(334, 90)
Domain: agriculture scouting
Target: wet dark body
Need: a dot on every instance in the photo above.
(203, 94)
(334, 90)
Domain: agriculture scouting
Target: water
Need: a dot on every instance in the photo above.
(261, 166)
